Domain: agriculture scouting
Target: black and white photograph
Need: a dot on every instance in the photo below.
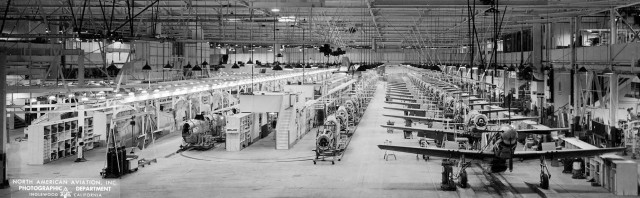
(319, 98)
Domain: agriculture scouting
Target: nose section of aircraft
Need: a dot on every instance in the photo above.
(509, 135)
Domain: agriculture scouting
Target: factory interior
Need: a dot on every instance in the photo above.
(320, 98)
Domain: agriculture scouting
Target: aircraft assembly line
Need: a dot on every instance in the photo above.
(467, 151)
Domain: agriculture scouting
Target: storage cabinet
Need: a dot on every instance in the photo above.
(53, 140)
(625, 177)
(240, 129)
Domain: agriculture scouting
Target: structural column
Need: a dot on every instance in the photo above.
(80, 135)
(81, 68)
(614, 28)
(613, 103)
(4, 134)
(536, 60)
(574, 80)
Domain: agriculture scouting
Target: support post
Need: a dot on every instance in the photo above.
(536, 60)
(81, 68)
(80, 135)
(4, 181)
(613, 103)
(573, 68)
(613, 25)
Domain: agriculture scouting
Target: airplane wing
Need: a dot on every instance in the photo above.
(404, 128)
(484, 103)
(406, 99)
(542, 131)
(494, 110)
(439, 152)
(419, 118)
(402, 103)
(473, 99)
(555, 154)
(410, 109)
(500, 120)
(398, 93)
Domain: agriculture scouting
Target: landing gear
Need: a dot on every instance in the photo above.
(544, 181)
(447, 175)
(544, 174)
(463, 179)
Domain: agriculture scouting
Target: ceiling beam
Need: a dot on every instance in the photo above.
(373, 17)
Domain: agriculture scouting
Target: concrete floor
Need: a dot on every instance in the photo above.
(262, 171)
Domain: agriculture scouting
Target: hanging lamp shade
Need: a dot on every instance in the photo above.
(235, 66)
(607, 71)
(112, 67)
(504, 67)
(146, 67)
(583, 70)
(482, 67)
(196, 68)
(168, 66)
(249, 62)
(277, 67)
(279, 55)
(204, 64)
(188, 66)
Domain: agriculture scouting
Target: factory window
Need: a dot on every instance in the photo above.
(178, 49)
(634, 92)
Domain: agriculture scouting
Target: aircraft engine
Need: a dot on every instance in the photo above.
(325, 141)
(351, 108)
(477, 121)
(509, 135)
(193, 130)
(343, 117)
(328, 138)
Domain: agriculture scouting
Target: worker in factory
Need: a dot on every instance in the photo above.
(630, 115)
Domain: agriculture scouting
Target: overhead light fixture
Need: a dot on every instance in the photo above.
(188, 66)
(275, 10)
(146, 67)
(196, 68)
(582, 70)
(112, 66)
(168, 66)
(607, 71)
(287, 19)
